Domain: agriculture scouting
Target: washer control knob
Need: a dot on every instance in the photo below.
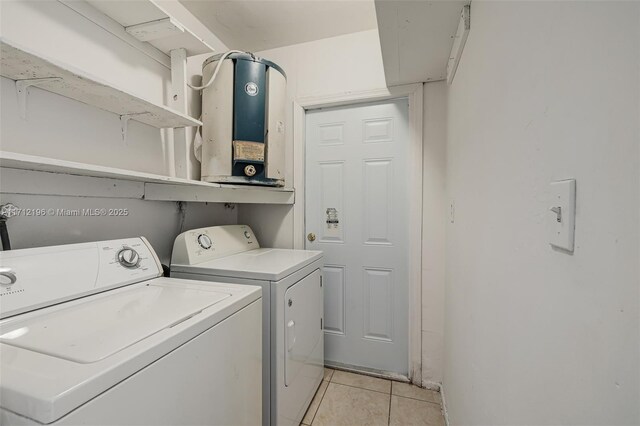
(205, 241)
(128, 257)
(7, 276)
(247, 235)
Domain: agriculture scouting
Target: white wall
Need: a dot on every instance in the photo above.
(544, 91)
(61, 128)
(158, 221)
(433, 230)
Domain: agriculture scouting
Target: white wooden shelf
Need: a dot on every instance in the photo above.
(29, 68)
(150, 22)
(156, 187)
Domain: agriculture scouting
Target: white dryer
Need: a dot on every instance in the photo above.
(293, 340)
(92, 334)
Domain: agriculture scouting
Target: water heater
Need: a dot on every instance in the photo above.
(243, 116)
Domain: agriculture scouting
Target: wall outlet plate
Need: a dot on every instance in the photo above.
(562, 214)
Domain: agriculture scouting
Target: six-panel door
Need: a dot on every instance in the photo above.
(356, 207)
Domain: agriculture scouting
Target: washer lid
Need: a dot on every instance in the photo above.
(260, 264)
(56, 359)
(91, 331)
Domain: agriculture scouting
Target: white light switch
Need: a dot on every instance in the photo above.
(562, 214)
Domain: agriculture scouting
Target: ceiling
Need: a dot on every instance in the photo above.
(267, 24)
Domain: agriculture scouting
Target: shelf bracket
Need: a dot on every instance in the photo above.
(124, 123)
(22, 89)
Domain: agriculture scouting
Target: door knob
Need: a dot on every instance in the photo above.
(311, 237)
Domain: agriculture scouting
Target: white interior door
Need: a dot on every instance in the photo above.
(357, 213)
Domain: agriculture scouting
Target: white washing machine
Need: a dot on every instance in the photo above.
(293, 340)
(92, 334)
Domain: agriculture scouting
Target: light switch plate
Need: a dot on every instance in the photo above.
(562, 214)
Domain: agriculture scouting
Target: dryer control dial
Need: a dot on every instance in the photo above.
(128, 257)
(205, 241)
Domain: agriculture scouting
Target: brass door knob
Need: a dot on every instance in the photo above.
(311, 237)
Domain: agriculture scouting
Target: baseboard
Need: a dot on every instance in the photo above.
(434, 386)
(445, 413)
(437, 386)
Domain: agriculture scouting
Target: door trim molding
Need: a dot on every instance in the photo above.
(414, 93)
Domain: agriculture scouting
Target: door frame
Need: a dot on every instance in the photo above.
(414, 93)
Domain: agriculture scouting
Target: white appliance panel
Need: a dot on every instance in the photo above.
(261, 264)
(303, 315)
(294, 398)
(182, 388)
(276, 162)
(99, 327)
(84, 320)
(204, 244)
(297, 272)
(266, 324)
(72, 271)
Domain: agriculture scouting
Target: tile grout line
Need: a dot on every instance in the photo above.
(390, 396)
(391, 390)
(323, 394)
(321, 398)
(416, 399)
(358, 387)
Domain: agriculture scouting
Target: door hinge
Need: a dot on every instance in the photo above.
(321, 324)
(320, 280)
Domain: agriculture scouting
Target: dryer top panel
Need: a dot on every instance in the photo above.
(261, 264)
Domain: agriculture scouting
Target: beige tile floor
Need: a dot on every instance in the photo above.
(353, 399)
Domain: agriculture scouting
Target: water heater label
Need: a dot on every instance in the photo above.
(248, 151)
